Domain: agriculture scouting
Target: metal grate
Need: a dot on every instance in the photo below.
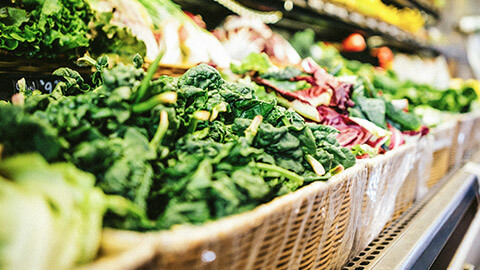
(377, 248)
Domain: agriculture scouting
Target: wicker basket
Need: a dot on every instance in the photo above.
(443, 142)
(386, 176)
(312, 228)
(170, 70)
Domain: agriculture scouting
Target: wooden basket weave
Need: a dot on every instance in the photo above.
(312, 228)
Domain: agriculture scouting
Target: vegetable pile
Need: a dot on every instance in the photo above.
(183, 150)
(368, 123)
(457, 99)
(61, 28)
(461, 97)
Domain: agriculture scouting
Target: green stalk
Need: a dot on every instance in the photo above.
(161, 130)
(121, 206)
(146, 80)
(222, 107)
(87, 59)
(316, 165)
(284, 172)
(163, 98)
(285, 121)
(196, 117)
(252, 130)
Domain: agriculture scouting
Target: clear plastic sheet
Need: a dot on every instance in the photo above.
(474, 138)
(444, 134)
(461, 139)
(386, 176)
(312, 228)
(444, 137)
(415, 184)
(423, 164)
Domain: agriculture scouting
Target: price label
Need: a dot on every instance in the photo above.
(43, 85)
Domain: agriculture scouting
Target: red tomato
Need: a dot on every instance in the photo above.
(384, 55)
(354, 43)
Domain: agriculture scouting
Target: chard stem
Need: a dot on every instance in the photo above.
(163, 98)
(316, 165)
(146, 80)
(252, 130)
(161, 130)
(197, 116)
(284, 172)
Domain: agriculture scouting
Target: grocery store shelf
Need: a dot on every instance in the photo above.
(323, 16)
(427, 7)
(417, 4)
(430, 233)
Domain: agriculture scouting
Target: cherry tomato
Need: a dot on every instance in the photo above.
(354, 43)
(385, 56)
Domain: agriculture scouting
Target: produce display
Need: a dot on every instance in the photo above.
(185, 149)
(367, 122)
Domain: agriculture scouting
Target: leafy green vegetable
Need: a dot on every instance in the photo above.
(190, 149)
(302, 42)
(20, 133)
(258, 62)
(407, 121)
(51, 215)
(63, 28)
(374, 109)
(45, 28)
(117, 42)
(457, 100)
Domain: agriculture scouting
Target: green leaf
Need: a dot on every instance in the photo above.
(374, 109)
(258, 62)
(14, 17)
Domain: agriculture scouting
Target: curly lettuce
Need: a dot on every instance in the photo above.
(45, 29)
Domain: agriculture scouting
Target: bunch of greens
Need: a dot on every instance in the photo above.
(455, 99)
(190, 149)
(51, 214)
(53, 28)
(375, 108)
(460, 98)
(44, 28)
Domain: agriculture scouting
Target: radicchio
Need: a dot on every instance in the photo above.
(396, 139)
(325, 90)
(341, 91)
(350, 134)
